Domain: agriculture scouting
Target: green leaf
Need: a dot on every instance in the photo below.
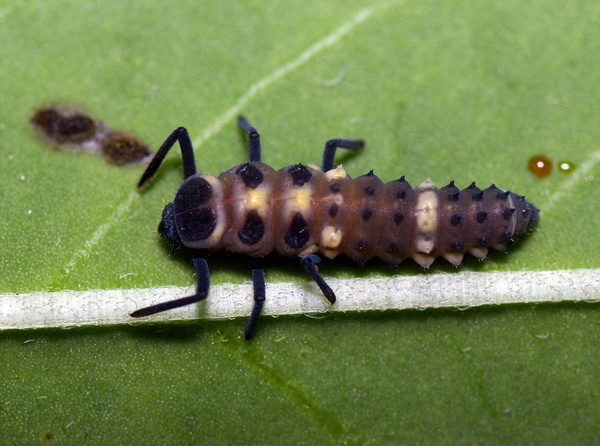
(449, 90)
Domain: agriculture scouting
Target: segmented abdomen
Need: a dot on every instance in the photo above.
(253, 209)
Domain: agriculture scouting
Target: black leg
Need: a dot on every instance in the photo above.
(202, 286)
(187, 153)
(258, 280)
(309, 262)
(253, 139)
(332, 145)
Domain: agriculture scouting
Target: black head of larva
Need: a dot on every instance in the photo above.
(192, 216)
(167, 227)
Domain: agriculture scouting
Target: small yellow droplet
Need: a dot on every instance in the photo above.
(566, 167)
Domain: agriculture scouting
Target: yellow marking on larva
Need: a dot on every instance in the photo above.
(336, 174)
(331, 237)
(299, 200)
(426, 211)
(333, 199)
(217, 201)
(310, 250)
(330, 253)
(256, 199)
(453, 257)
(425, 260)
(480, 253)
(423, 244)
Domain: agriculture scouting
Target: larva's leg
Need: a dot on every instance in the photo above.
(187, 153)
(332, 145)
(309, 262)
(258, 281)
(258, 274)
(202, 286)
(253, 139)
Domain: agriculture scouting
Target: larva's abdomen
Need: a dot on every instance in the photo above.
(255, 210)
(398, 222)
(425, 223)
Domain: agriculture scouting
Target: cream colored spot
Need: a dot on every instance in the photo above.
(453, 257)
(423, 244)
(336, 174)
(299, 200)
(256, 199)
(331, 237)
(423, 259)
(214, 182)
(426, 212)
(426, 207)
(333, 199)
(480, 253)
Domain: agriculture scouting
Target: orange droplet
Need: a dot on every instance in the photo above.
(540, 166)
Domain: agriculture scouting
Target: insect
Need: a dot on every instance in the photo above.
(305, 211)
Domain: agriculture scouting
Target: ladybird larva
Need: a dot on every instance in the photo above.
(304, 211)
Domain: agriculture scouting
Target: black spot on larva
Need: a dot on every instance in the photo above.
(398, 217)
(369, 190)
(250, 174)
(204, 191)
(333, 210)
(197, 224)
(363, 245)
(477, 196)
(503, 195)
(507, 213)
(253, 229)
(297, 234)
(367, 213)
(455, 219)
(504, 237)
(193, 193)
(493, 186)
(483, 242)
(457, 246)
(401, 194)
(453, 196)
(472, 186)
(335, 188)
(394, 247)
(300, 174)
(370, 174)
(480, 217)
(525, 213)
(450, 184)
